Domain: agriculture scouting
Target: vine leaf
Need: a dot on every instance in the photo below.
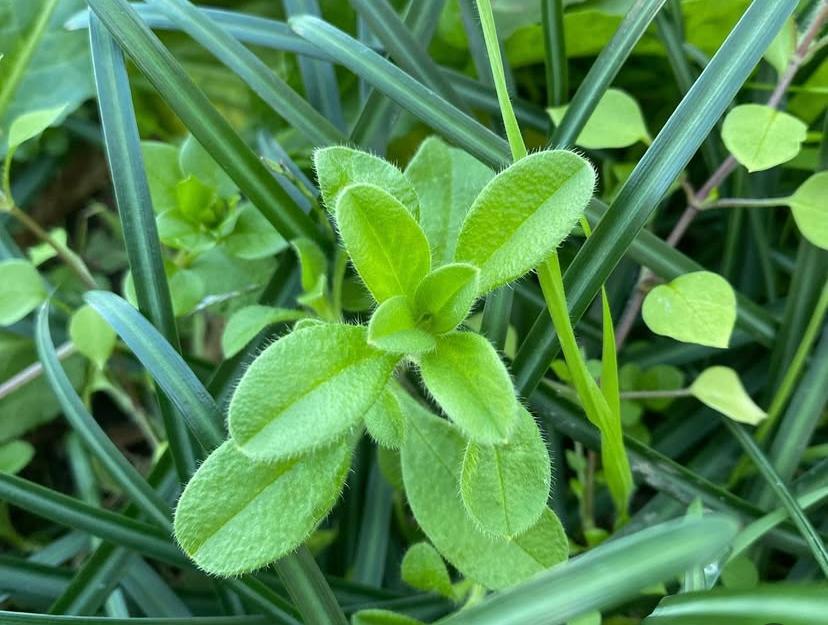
(721, 389)
(761, 137)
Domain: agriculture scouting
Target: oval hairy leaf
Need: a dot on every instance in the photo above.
(423, 568)
(338, 167)
(761, 137)
(445, 296)
(431, 459)
(307, 390)
(721, 389)
(389, 250)
(267, 509)
(505, 487)
(523, 214)
(470, 382)
(447, 181)
(810, 209)
(698, 307)
(385, 421)
(247, 322)
(21, 290)
(616, 122)
(394, 329)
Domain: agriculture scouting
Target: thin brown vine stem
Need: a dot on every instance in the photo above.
(728, 166)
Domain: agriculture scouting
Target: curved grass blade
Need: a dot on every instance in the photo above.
(126, 166)
(604, 70)
(25, 618)
(318, 77)
(771, 603)
(165, 365)
(95, 439)
(591, 581)
(278, 95)
(669, 153)
(423, 103)
(202, 119)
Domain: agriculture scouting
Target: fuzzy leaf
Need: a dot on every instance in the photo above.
(698, 307)
(21, 290)
(247, 322)
(338, 167)
(809, 205)
(505, 487)
(447, 181)
(469, 381)
(93, 337)
(431, 459)
(312, 260)
(389, 250)
(267, 509)
(446, 295)
(616, 122)
(761, 137)
(385, 421)
(394, 329)
(721, 389)
(308, 389)
(30, 125)
(423, 568)
(523, 214)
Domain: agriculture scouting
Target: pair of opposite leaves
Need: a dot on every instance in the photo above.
(330, 375)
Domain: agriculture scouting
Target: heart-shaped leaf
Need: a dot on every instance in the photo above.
(523, 214)
(21, 290)
(308, 389)
(616, 122)
(761, 137)
(698, 307)
(721, 389)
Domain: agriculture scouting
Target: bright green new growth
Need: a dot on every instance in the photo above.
(21, 290)
(382, 617)
(247, 322)
(698, 307)
(15, 455)
(445, 297)
(470, 382)
(505, 487)
(523, 214)
(447, 181)
(338, 167)
(809, 205)
(270, 509)
(385, 421)
(92, 336)
(616, 122)
(431, 460)
(423, 568)
(394, 328)
(761, 137)
(30, 125)
(387, 246)
(721, 389)
(307, 390)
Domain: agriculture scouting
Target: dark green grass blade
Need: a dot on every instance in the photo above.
(423, 103)
(95, 439)
(592, 581)
(639, 16)
(47, 619)
(556, 64)
(777, 486)
(149, 590)
(483, 97)
(31, 583)
(165, 365)
(274, 91)
(372, 546)
(773, 603)
(126, 166)
(70, 512)
(202, 119)
(669, 153)
(318, 77)
(404, 48)
(95, 581)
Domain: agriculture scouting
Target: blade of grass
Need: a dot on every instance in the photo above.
(318, 77)
(426, 105)
(93, 583)
(606, 67)
(372, 546)
(274, 91)
(591, 581)
(25, 618)
(21, 578)
(666, 157)
(555, 61)
(202, 119)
